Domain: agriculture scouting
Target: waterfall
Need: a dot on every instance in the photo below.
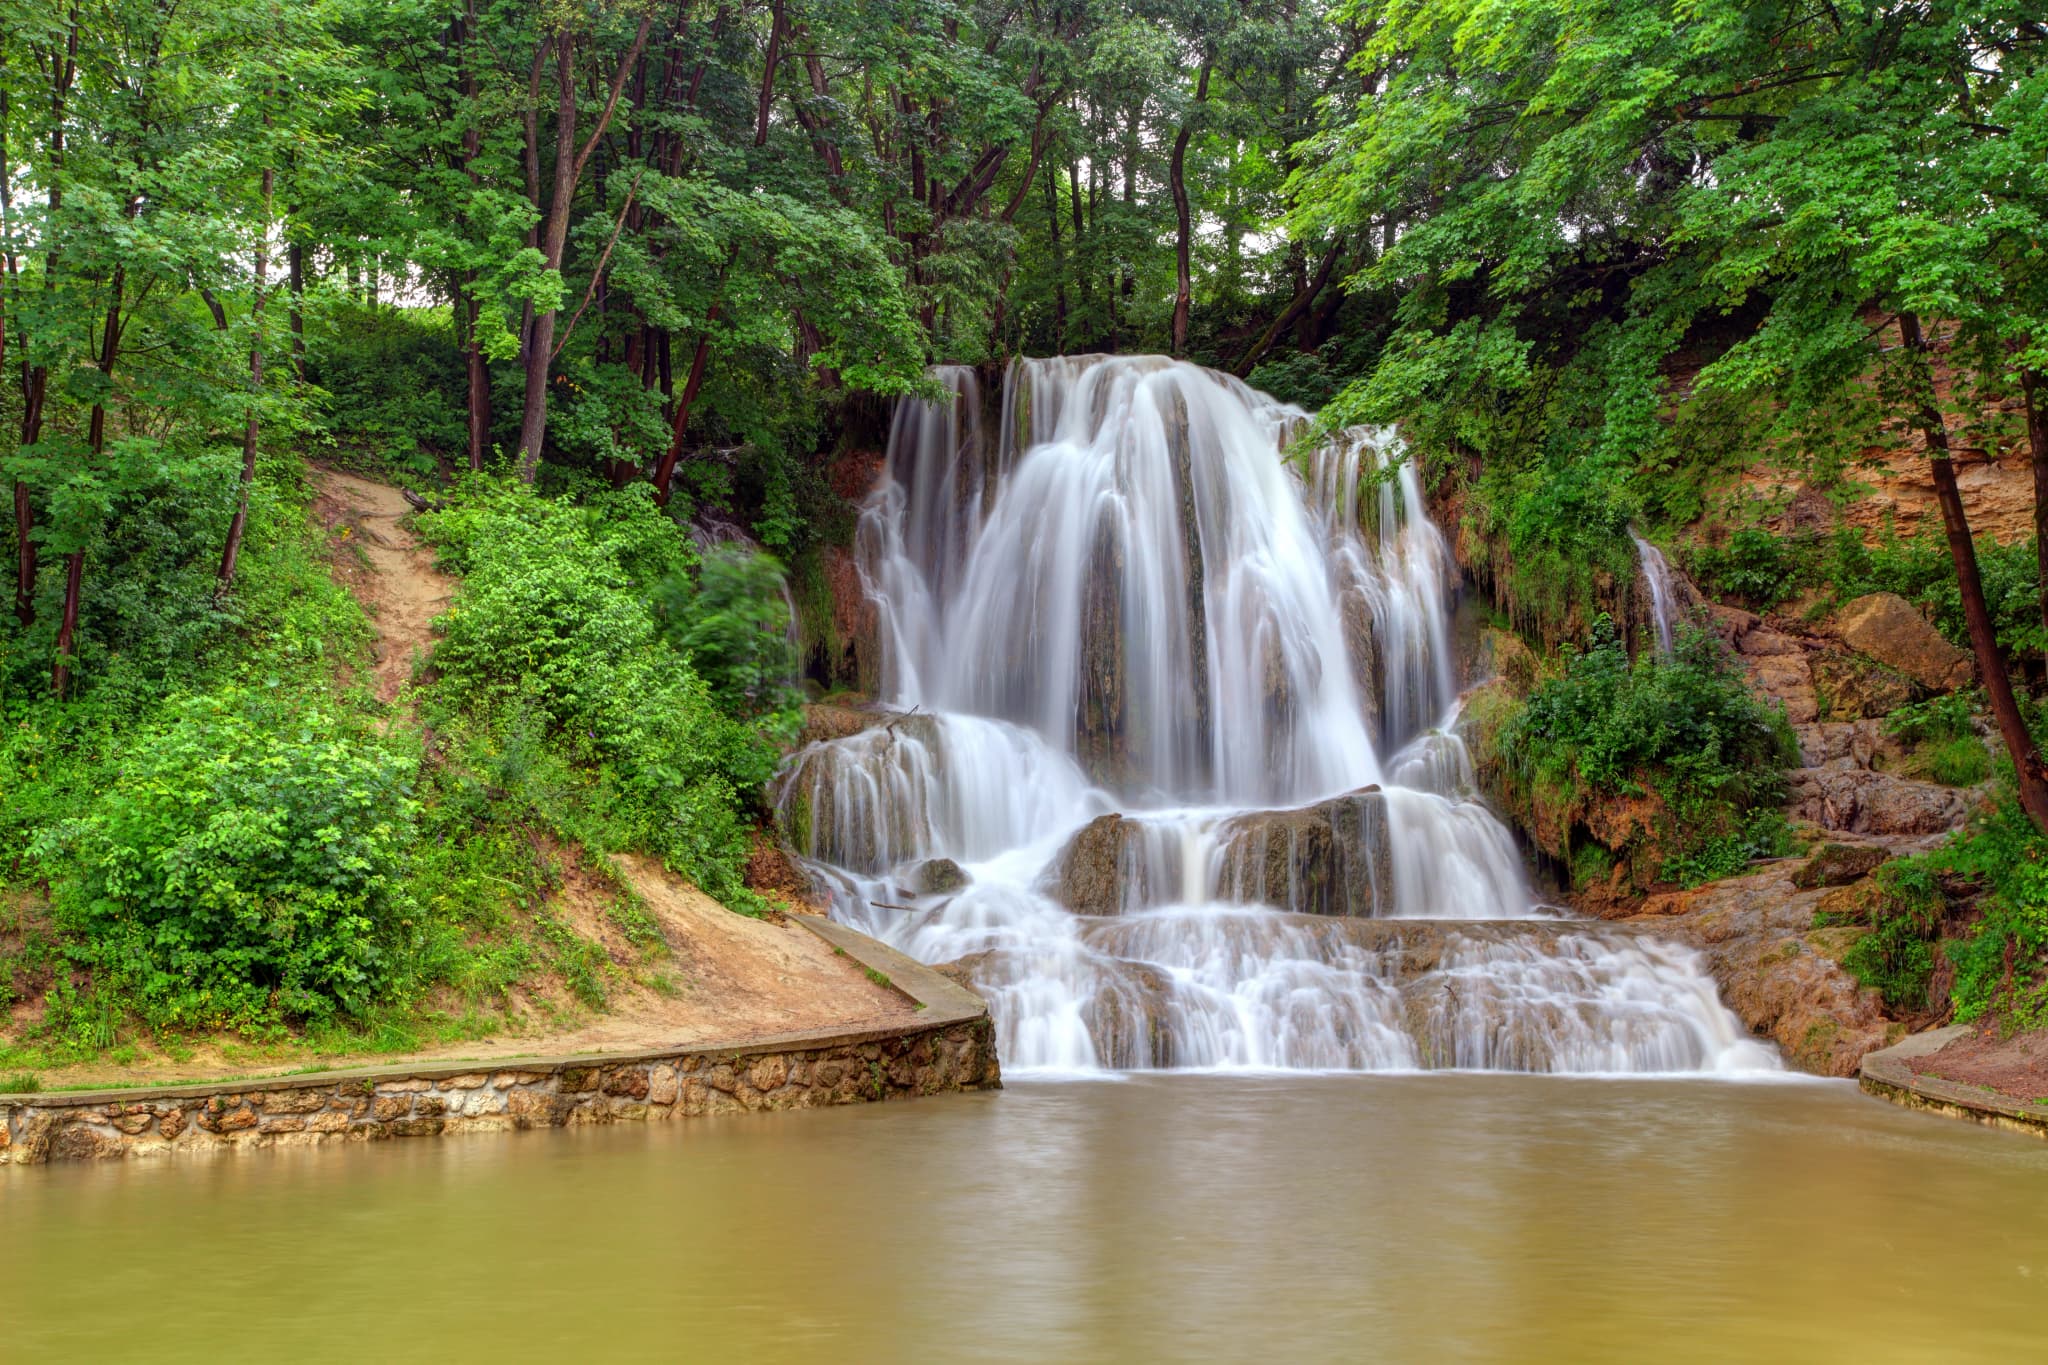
(1174, 776)
(1663, 597)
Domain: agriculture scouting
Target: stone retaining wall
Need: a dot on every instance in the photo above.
(951, 1046)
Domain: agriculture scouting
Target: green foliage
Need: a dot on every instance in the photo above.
(1962, 762)
(1754, 567)
(1691, 719)
(569, 698)
(1763, 833)
(733, 623)
(1919, 570)
(1591, 865)
(394, 381)
(1999, 961)
(1946, 717)
(2001, 968)
(1687, 728)
(244, 867)
(1897, 955)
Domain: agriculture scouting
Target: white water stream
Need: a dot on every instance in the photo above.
(1172, 682)
(1663, 596)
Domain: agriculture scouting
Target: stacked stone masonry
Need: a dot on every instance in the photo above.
(951, 1046)
(301, 1110)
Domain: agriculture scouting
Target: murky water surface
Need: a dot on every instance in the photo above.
(1158, 1218)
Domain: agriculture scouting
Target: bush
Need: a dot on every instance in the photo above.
(244, 866)
(1945, 717)
(395, 381)
(569, 696)
(733, 622)
(1690, 720)
(2002, 967)
(1756, 568)
(1687, 727)
(1763, 833)
(2000, 962)
(1897, 955)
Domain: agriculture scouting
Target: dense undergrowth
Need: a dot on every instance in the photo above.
(1683, 738)
(226, 836)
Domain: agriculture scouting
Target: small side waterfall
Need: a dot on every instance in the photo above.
(1663, 594)
(1175, 777)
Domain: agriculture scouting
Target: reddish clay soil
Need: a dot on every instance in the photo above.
(2016, 1066)
(395, 579)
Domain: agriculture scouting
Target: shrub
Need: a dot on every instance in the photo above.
(1946, 748)
(394, 379)
(1938, 718)
(2002, 967)
(1687, 727)
(243, 867)
(570, 696)
(1755, 567)
(1897, 955)
(1952, 762)
(1763, 833)
(2001, 961)
(733, 622)
(1919, 569)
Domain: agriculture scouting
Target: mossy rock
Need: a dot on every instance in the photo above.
(1839, 865)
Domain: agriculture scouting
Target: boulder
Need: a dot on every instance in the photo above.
(1840, 796)
(1886, 627)
(1854, 687)
(1332, 858)
(937, 877)
(828, 720)
(1839, 865)
(1101, 870)
(1787, 679)
(1859, 743)
(1781, 976)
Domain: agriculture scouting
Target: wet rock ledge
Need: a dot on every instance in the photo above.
(950, 1046)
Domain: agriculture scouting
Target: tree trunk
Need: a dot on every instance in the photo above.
(96, 438)
(554, 241)
(466, 308)
(479, 392)
(1297, 306)
(569, 164)
(35, 384)
(776, 27)
(2034, 385)
(1059, 264)
(295, 266)
(1183, 244)
(665, 472)
(24, 510)
(231, 554)
(1991, 666)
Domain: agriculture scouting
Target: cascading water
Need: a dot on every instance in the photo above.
(1663, 596)
(1146, 645)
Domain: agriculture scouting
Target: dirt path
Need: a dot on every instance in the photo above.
(401, 589)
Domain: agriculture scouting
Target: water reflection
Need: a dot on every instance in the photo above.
(1185, 1218)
